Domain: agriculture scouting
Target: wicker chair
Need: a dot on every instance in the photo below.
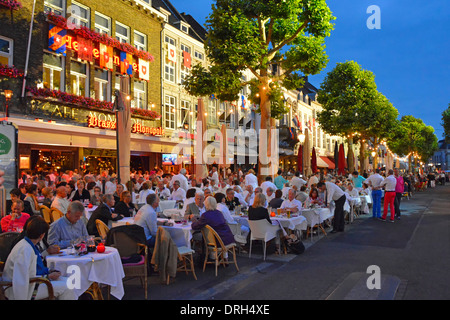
(128, 247)
(56, 214)
(102, 228)
(214, 243)
(46, 213)
(7, 284)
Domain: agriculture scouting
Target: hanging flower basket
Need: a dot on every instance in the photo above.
(11, 4)
(10, 71)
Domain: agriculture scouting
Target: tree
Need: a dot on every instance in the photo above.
(258, 35)
(446, 123)
(411, 138)
(351, 104)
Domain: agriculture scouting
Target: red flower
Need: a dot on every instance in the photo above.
(10, 72)
(11, 4)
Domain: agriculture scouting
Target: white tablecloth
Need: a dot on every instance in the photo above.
(88, 212)
(294, 223)
(103, 268)
(122, 222)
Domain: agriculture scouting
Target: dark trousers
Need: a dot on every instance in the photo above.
(398, 199)
(339, 217)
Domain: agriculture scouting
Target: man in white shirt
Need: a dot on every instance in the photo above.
(215, 176)
(181, 177)
(268, 183)
(61, 202)
(374, 182)
(352, 192)
(251, 179)
(314, 179)
(297, 181)
(292, 204)
(110, 186)
(178, 193)
(270, 194)
(162, 191)
(334, 193)
(389, 194)
(249, 195)
(147, 218)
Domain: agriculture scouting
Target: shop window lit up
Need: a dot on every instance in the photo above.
(52, 75)
(78, 78)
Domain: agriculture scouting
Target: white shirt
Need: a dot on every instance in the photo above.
(375, 179)
(313, 180)
(110, 187)
(179, 194)
(267, 184)
(182, 179)
(292, 204)
(143, 195)
(226, 213)
(163, 193)
(251, 179)
(146, 218)
(333, 192)
(62, 204)
(298, 182)
(390, 182)
(215, 177)
(241, 199)
(353, 194)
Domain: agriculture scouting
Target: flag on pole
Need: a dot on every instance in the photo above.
(106, 56)
(126, 63)
(187, 59)
(171, 53)
(85, 49)
(57, 39)
(144, 66)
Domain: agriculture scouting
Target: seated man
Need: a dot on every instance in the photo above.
(196, 209)
(16, 194)
(231, 201)
(69, 227)
(291, 203)
(25, 262)
(16, 220)
(147, 218)
(178, 194)
(302, 195)
(104, 213)
(61, 202)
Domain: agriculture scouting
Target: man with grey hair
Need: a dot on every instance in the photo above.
(104, 213)
(70, 227)
(196, 209)
(147, 218)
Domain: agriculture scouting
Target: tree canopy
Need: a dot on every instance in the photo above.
(446, 123)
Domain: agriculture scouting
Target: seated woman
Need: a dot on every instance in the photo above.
(48, 197)
(25, 262)
(31, 197)
(16, 220)
(81, 194)
(125, 206)
(257, 211)
(276, 202)
(96, 199)
(214, 218)
(314, 199)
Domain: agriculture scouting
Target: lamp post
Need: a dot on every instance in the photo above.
(8, 95)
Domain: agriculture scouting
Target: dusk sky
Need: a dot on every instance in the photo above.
(409, 55)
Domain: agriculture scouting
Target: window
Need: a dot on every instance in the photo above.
(6, 51)
(78, 78)
(140, 41)
(169, 71)
(145, 3)
(52, 75)
(54, 6)
(169, 112)
(80, 14)
(122, 33)
(101, 85)
(184, 73)
(185, 115)
(140, 97)
(102, 24)
(184, 28)
(185, 48)
(169, 40)
(199, 55)
(212, 112)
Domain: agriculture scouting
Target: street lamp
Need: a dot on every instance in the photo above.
(301, 138)
(8, 95)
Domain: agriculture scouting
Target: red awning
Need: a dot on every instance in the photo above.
(330, 164)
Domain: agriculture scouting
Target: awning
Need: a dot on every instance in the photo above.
(324, 162)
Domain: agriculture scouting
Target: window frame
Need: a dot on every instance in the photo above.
(80, 76)
(169, 111)
(53, 7)
(53, 68)
(103, 82)
(87, 20)
(121, 37)
(10, 55)
(139, 45)
(137, 93)
(101, 28)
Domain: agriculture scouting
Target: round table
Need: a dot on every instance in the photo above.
(92, 269)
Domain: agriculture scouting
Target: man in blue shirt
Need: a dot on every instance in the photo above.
(279, 181)
(69, 227)
(357, 180)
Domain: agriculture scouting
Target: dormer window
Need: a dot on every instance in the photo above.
(145, 3)
(185, 29)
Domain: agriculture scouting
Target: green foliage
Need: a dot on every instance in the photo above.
(255, 35)
(446, 123)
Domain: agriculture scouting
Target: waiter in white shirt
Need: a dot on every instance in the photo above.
(389, 194)
(336, 194)
(181, 177)
(375, 181)
(297, 181)
(251, 179)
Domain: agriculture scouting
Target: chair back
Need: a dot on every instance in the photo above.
(102, 228)
(262, 229)
(6, 241)
(46, 213)
(211, 237)
(125, 244)
(167, 204)
(56, 214)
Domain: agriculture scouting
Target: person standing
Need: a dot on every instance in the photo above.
(399, 189)
(251, 179)
(279, 180)
(375, 181)
(336, 194)
(389, 184)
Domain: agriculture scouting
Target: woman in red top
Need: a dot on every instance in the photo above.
(16, 220)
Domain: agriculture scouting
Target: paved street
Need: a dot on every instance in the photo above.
(414, 251)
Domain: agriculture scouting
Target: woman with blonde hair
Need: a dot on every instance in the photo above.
(258, 211)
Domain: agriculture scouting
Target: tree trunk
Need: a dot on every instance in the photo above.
(410, 164)
(350, 156)
(362, 157)
(264, 133)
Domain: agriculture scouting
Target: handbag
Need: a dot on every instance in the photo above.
(294, 245)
